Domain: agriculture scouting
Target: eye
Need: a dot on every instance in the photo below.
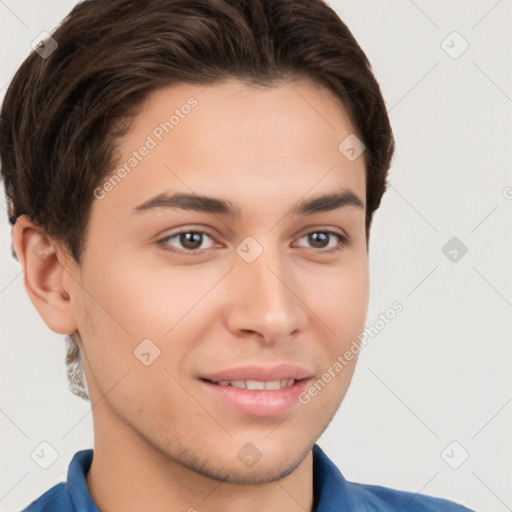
(190, 241)
(321, 240)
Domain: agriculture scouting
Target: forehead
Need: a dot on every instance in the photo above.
(251, 144)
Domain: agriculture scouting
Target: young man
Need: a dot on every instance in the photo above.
(191, 187)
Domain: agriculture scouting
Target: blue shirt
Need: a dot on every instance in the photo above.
(332, 493)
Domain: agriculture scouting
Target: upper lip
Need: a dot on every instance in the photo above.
(261, 373)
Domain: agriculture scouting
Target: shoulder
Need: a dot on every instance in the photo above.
(383, 499)
(333, 492)
(52, 500)
(72, 494)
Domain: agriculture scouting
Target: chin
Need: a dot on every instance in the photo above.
(262, 473)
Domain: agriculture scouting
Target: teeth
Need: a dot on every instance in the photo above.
(258, 384)
(273, 384)
(238, 383)
(255, 384)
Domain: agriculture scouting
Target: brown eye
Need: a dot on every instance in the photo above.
(189, 242)
(321, 240)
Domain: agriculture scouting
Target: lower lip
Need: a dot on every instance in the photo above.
(260, 402)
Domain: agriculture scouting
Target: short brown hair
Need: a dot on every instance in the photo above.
(62, 115)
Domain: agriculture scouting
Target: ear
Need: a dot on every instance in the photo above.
(45, 275)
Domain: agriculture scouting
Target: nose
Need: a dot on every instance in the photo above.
(264, 299)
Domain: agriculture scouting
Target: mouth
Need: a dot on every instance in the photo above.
(255, 398)
(256, 385)
(256, 390)
(257, 377)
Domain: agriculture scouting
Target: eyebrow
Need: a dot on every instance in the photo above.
(310, 206)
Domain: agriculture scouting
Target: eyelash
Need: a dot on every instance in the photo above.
(342, 242)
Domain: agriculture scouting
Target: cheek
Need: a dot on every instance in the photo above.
(342, 302)
(130, 366)
(140, 301)
(341, 305)
(124, 305)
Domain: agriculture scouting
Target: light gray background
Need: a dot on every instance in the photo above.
(441, 370)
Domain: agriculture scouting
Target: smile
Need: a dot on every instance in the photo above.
(257, 384)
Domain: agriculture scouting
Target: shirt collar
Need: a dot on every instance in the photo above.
(332, 493)
(76, 484)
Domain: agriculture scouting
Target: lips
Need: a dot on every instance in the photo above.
(257, 391)
(256, 403)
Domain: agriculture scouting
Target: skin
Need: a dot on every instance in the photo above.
(161, 442)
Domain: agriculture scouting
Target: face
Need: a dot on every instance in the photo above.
(171, 299)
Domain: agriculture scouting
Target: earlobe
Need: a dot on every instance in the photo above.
(44, 275)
